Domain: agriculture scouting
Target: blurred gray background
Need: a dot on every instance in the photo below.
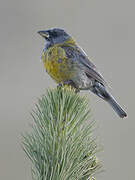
(106, 31)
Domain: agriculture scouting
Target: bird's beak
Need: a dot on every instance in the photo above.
(44, 34)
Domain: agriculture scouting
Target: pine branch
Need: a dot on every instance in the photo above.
(61, 146)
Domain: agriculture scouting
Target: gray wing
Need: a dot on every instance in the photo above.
(76, 54)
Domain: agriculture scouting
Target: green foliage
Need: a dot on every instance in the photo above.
(61, 146)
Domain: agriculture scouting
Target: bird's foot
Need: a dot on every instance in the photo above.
(69, 83)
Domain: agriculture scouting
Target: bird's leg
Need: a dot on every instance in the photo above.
(59, 85)
(72, 84)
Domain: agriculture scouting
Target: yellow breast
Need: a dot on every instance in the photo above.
(56, 64)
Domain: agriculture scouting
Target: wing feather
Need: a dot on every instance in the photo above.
(77, 54)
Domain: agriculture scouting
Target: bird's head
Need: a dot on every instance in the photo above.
(54, 36)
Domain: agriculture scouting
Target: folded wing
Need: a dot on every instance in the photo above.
(77, 54)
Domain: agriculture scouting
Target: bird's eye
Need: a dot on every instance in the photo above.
(54, 34)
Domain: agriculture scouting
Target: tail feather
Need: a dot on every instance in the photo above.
(100, 90)
(116, 107)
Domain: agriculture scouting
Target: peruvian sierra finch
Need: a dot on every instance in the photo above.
(68, 64)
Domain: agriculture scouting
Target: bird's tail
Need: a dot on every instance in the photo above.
(100, 90)
(116, 107)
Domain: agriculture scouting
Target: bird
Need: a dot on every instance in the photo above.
(67, 63)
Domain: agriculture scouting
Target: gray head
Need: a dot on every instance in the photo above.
(54, 36)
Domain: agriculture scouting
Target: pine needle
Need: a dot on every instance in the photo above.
(61, 146)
